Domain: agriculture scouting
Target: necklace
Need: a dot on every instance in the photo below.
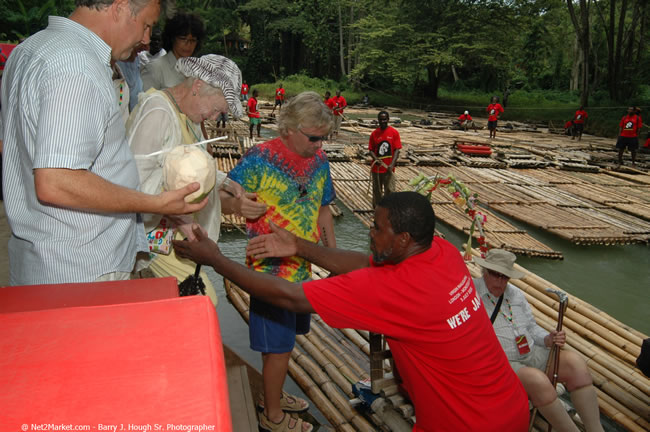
(188, 125)
(508, 318)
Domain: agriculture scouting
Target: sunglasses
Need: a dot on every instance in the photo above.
(314, 138)
(498, 275)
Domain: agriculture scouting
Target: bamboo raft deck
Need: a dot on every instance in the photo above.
(353, 189)
(571, 195)
(551, 182)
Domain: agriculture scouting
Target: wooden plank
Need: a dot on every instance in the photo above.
(242, 407)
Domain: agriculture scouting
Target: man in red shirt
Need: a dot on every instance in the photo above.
(568, 128)
(417, 291)
(383, 146)
(244, 91)
(279, 98)
(628, 135)
(579, 119)
(465, 121)
(337, 104)
(494, 110)
(253, 114)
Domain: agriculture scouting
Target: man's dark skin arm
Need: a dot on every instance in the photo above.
(271, 289)
(281, 243)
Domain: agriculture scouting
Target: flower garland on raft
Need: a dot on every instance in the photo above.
(462, 198)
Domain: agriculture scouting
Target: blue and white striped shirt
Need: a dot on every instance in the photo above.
(60, 111)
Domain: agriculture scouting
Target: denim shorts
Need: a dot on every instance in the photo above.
(272, 329)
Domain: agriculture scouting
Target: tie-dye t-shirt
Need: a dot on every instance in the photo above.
(294, 189)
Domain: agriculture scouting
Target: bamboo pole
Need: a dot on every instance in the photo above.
(341, 403)
(350, 368)
(325, 406)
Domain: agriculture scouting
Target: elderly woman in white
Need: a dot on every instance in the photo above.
(164, 119)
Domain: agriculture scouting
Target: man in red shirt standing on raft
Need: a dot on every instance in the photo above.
(494, 110)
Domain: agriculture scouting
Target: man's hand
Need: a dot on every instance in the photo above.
(173, 202)
(555, 338)
(248, 207)
(201, 250)
(280, 243)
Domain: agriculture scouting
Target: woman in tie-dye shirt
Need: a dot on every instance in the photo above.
(291, 175)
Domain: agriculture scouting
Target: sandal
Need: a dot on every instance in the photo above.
(288, 403)
(287, 424)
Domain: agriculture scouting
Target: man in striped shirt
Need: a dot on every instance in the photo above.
(70, 180)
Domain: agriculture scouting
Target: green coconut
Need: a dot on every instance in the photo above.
(188, 164)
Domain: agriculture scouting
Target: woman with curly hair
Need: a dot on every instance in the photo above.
(181, 37)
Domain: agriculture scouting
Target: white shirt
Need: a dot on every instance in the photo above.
(523, 322)
(161, 73)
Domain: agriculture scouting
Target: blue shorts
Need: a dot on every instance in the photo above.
(272, 329)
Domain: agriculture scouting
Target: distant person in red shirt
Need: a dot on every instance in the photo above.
(494, 110)
(244, 91)
(416, 290)
(568, 128)
(337, 105)
(465, 121)
(579, 119)
(383, 146)
(279, 98)
(253, 115)
(628, 135)
(327, 97)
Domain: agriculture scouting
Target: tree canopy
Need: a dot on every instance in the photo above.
(594, 47)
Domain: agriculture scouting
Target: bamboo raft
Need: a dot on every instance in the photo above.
(353, 189)
(578, 204)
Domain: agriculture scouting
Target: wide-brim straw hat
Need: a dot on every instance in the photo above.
(219, 72)
(500, 261)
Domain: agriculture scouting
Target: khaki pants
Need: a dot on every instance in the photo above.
(337, 123)
(382, 185)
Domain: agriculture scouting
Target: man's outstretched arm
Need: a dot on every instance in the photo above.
(271, 289)
(282, 243)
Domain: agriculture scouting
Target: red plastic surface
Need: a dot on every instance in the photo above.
(38, 297)
(140, 365)
(5, 50)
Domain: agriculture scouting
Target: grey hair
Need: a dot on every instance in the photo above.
(166, 6)
(305, 110)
